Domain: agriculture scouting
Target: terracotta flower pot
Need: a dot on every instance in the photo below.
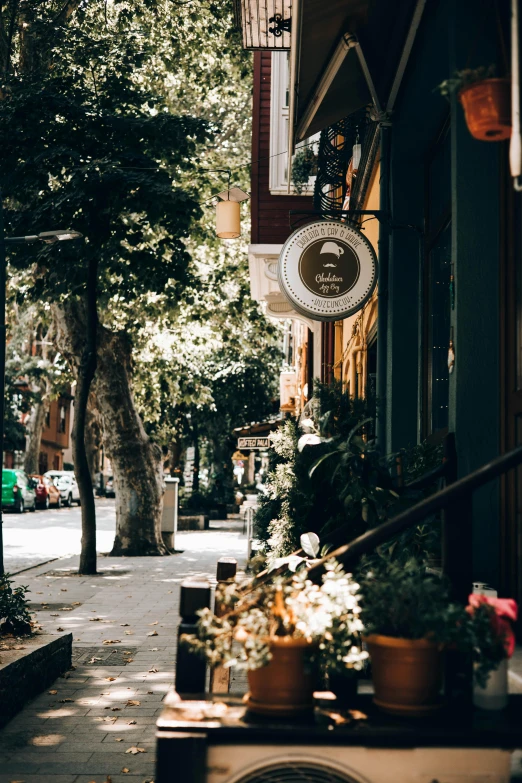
(407, 674)
(285, 686)
(487, 106)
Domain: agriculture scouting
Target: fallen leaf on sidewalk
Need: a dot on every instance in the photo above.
(93, 660)
(153, 670)
(150, 693)
(125, 625)
(110, 679)
(128, 660)
(135, 750)
(154, 623)
(59, 629)
(133, 703)
(116, 709)
(118, 739)
(109, 779)
(127, 652)
(124, 770)
(76, 603)
(112, 641)
(63, 589)
(94, 619)
(131, 723)
(66, 609)
(129, 633)
(55, 615)
(52, 693)
(154, 649)
(152, 633)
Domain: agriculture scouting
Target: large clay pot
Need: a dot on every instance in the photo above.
(285, 686)
(407, 674)
(487, 106)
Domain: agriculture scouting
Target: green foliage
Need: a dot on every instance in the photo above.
(488, 648)
(304, 165)
(409, 602)
(88, 144)
(14, 613)
(465, 78)
(329, 476)
(326, 615)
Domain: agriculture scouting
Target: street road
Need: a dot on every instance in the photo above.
(33, 538)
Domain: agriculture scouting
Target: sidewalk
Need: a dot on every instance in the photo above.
(80, 730)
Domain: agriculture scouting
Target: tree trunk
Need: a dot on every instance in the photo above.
(76, 332)
(136, 461)
(33, 435)
(86, 371)
(195, 480)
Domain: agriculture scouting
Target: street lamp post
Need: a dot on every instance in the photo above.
(48, 237)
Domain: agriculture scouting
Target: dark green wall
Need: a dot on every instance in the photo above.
(443, 44)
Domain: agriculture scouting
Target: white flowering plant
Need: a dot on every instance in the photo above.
(327, 615)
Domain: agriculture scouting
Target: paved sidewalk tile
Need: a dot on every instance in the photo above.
(81, 733)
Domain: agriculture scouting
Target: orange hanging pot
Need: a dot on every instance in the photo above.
(285, 686)
(487, 107)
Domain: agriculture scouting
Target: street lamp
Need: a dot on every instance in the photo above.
(48, 238)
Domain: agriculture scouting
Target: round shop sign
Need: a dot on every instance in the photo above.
(327, 270)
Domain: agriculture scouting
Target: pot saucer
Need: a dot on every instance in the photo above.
(281, 710)
(413, 710)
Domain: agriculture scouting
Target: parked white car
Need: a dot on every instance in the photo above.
(65, 481)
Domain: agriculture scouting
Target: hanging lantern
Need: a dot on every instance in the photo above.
(228, 218)
(228, 222)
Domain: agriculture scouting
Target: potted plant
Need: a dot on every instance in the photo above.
(304, 166)
(408, 620)
(493, 644)
(279, 632)
(486, 101)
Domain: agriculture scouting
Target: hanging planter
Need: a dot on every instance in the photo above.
(487, 107)
(486, 101)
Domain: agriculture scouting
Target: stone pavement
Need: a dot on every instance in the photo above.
(124, 625)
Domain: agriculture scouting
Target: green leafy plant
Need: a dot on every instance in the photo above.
(304, 166)
(464, 78)
(297, 502)
(408, 602)
(327, 615)
(492, 635)
(14, 612)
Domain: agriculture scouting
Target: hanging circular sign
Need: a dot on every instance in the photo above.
(327, 270)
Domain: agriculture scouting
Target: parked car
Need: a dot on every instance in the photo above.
(18, 490)
(47, 493)
(66, 483)
(109, 488)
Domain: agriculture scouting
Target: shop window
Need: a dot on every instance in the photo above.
(437, 296)
(279, 110)
(48, 419)
(63, 419)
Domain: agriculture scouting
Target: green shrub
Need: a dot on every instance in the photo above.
(14, 613)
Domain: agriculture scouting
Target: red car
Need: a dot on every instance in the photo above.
(46, 493)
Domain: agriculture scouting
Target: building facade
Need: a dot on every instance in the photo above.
(440, 339)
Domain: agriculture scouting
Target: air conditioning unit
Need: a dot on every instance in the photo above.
(233, 751)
